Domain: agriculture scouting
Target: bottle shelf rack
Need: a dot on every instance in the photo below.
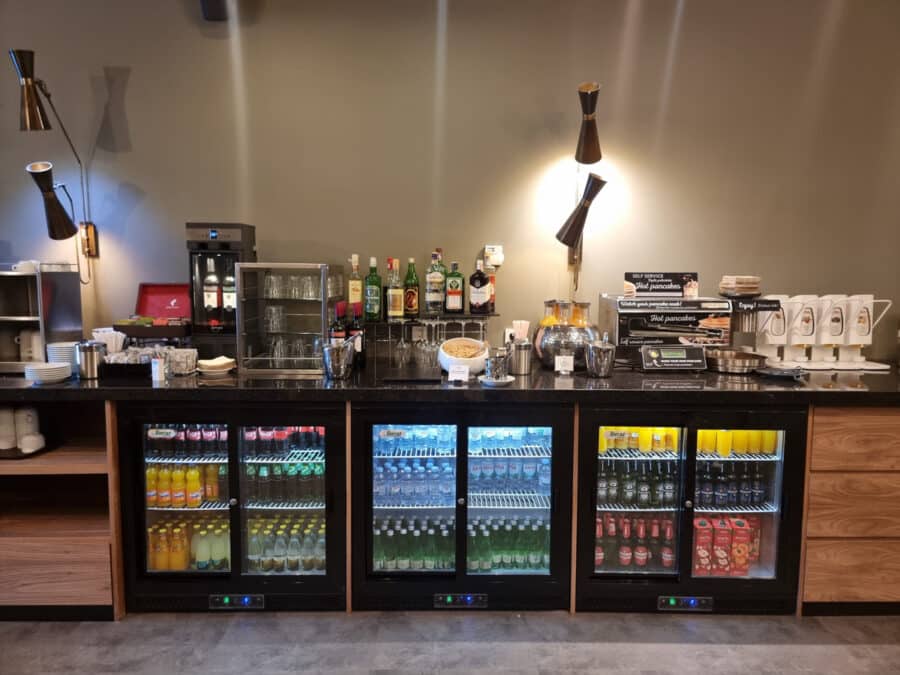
(734, 457)
(636, 508)
(509, 500)
(296, 455)
(205, 459)
(423, 453)
(637, 455)
(538, 451)
(287, 505)
(205, 507)
(767, 507)
(393, 506)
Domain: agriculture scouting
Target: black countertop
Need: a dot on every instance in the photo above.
(624, 387)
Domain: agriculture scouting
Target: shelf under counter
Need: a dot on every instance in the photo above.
(85, 457)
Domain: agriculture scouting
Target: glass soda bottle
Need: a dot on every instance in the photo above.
(403, 550)
(416, 551)
(164, 487)
(194, 497)
(254, 552)
(389, 552)
(151, 480)
(473, 564)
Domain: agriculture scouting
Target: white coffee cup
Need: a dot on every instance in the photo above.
(27, 423)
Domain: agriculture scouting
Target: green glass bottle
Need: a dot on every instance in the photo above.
(473, 565)
(411, 292)
(485, 556)
(455, 295)
(372, 292)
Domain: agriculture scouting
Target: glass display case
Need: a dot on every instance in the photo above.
(283, 315)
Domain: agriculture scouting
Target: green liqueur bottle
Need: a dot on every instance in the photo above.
(473, 563)
(411, 292)
(456, 284)
(372, 292)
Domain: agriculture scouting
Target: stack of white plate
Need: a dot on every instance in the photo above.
(217, 367)
(63, 352)
(48, 373)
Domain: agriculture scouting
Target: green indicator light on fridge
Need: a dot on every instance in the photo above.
(672, 602)
(226, 600)
(449, 599)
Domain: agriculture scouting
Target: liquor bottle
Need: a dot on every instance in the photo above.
(384, 292)
(337, 332)
(731, 483)
(720, 489)
(212, 298)
(491, 272)
(456, 284)
(395, 293)
(612, 486)
(745, 490)
(373, 292)
(628, 486)
(435, 286)
(643, 487)
(641, 551)
(229, 292)
(626, 546)
(757, 487)
(602, 485)
(669, 486)
(705, 488)
(354, 283)
(479, 290)
(355, 329)
(411, 292)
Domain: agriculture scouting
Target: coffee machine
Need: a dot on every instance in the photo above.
(214, 250)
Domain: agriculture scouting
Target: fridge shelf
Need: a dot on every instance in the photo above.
(509, 500)
(635, 507)
(618, 453)
(205, 459)
(307, 505)
(747, 457)
(413, 507)
(296, 455)
(768, 507)
(429, 453)
(205, 506)
(521, 451)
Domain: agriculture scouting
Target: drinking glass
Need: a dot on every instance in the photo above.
(295, 290)
(279, 352)
(274, 286)
(274, 317)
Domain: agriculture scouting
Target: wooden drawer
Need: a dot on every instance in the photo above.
(856, 439)
(55, 571)
(852, 570)
(854, 505)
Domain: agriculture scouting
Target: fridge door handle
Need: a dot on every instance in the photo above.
(329, 500)
(233, 502)
(461, 501)
(688, 504)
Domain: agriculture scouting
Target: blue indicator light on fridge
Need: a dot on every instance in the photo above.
(213, 234)
(681, 603)
(233, 602)
(461, 601)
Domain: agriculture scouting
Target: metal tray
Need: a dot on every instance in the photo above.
(733, 361)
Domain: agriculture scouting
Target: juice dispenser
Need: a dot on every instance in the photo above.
(861, 324)
(830, 331)
(771, 331)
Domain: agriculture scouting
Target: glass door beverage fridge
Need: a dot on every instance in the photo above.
(690, 512)
(233, 508)
(461, 507)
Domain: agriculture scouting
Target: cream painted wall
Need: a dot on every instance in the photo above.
(740, 137)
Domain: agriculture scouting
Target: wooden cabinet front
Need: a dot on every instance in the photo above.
(856, 439)
(858, 570)
(854, 505)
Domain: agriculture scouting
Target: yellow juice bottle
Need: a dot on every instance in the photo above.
(723, 442)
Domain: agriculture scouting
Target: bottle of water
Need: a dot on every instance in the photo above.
(378, 487)
(293, 554)
(393, 486)
(407, 491)
(448, 485)
(544, 477)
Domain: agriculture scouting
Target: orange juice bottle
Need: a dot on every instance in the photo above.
(152, 536)
(164, 486)
(179, 497)
(193, 487)
(151, 485)
(211, 486)
(161, 552)
(603, 441)
(177, 553)
(671, 439)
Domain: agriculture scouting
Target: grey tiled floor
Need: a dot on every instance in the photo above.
(544, 642)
